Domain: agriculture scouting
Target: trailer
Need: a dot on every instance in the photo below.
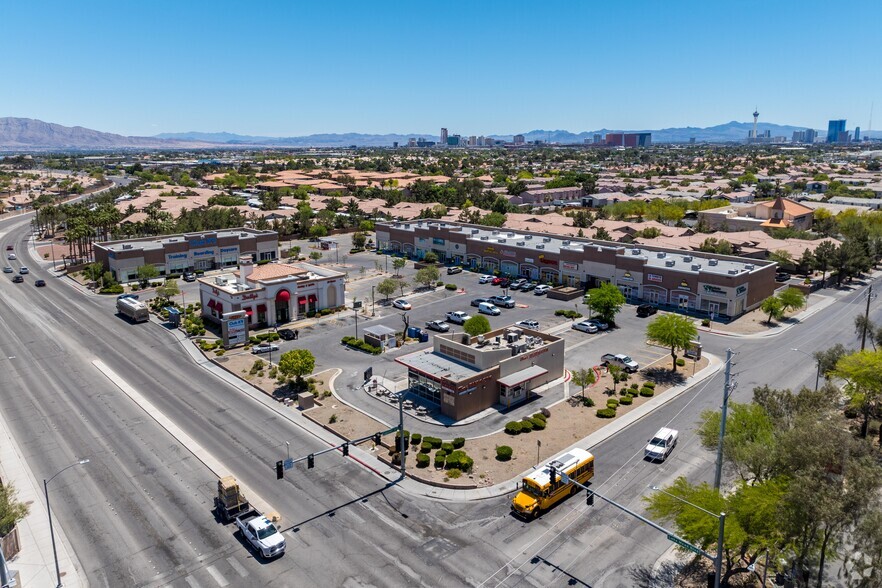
(135, 310)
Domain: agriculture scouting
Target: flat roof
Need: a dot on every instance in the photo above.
(682, 260)
(379, 330)
(437, 365)
(523, 375)
(159, 242)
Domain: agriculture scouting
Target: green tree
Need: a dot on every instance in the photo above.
(427, 276)
(296, 364)
(862, 372)
(476, 325)
(146, 273)
(824, 254)
(773, 307)
(315, 255)
(602, 234)
(748, 446)
(617, 375)
(583, 378)
(402, 284)
(318, 231)
(430, 257)
(168, 289)
(398, 264)
(387, 287)
(358, 240)
(493, 219)
(606, 302)
(93, 271)
(11, 510)
(674, 331)
(791, 299)
(863, 567)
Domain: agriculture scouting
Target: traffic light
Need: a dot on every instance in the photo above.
(310, 461)
(377, 438)
(553, 476)
(589, 498)
(280, 470)
(345, 449)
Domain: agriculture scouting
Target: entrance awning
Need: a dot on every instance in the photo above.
(312, 298)
(283, 296)
(211, 304)
(261, 308)
(301, 300)
(249, 312)
(522, 376)
(219, 307)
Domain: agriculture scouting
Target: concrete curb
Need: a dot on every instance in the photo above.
(775, 331)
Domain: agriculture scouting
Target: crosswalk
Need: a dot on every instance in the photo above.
(221, 572)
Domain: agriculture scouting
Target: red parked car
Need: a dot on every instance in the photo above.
(496, 281)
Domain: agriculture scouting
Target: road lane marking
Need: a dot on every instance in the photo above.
(218, 577)
(237, 566)
(192, 582)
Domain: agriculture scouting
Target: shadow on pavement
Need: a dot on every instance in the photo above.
(665, 376)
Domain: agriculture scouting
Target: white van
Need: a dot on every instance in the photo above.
(487, 308)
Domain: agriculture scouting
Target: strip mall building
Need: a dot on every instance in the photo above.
(271, 294)
(701, 283)
(176, 254)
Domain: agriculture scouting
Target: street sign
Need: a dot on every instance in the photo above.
(564, 478)
(683, 544)
(289, 464)
(387, 431)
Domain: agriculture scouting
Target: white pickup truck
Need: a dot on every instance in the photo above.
(262, 535)
(620, 360)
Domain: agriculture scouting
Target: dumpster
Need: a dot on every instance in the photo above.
(424, 336)
(413, 332)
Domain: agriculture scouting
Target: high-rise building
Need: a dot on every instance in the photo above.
(473, 141)
(834, 129)
(411, 142)
(598, 138)
(798, 137)
(443, 136)
(454, 140)
(811, 135)
(488, 141)
(857, 134)
(518, 139)
(755, 119)
(628, 139)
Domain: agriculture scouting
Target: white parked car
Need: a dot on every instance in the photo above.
(661, 445)
(585, 327)
(541, 289)
(481, 280)
(402, 304)
(487, 308)
(264, 348)
(440, 326)
(457, 317)
(621, 360)
(528, 325)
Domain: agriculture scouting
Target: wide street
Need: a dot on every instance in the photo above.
(140, 512)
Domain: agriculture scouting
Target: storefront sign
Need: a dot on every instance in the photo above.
(437, 241)
(508, 253)
(547, 261)
(206, 242)
(490, 249)
(684, 285)
(525, 357)
(740, 290)
(708, 289)
(627, 277)
(569, 265)
(203, 253)
(176, 256)
(528, 260)
(249, 296)
(654, 278)
(229, 249)
(234, 328)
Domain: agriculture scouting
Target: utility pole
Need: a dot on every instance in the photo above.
(718, 473)
(355, 309)
(402, 443)
(866, 317)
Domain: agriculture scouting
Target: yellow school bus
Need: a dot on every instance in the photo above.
(538, 494)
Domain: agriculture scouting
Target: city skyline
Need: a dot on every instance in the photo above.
(338, 69)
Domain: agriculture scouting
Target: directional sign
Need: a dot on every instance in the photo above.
(387, 431)
(289, 464)
(564, 478)
(683, 544)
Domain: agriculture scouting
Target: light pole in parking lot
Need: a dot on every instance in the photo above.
(49, 513)
(373, 301)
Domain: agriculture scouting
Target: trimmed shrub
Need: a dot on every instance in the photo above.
(454, 473)
(539, 415)
(448, 447)
(612, 403)
(422, 460)
(526, 426)
(458, 442)
(440, 457)
(634, 385)
(513, 427)
(416, 439)
(450, 286)
(646, 392)
(681, 362)
(627, 400)
(587, 401)
(425, 447)
(650, 385)
(459, 460)
(705, 322)
(538, 424)
(503, 453)
(606, 413)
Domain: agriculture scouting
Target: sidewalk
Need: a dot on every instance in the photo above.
(786, 324)
(34, 563)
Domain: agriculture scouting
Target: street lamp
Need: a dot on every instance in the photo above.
(49, 513)
(818, 374)
(718, 561)
(373, 301)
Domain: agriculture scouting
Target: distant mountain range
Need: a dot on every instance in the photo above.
(23, 134)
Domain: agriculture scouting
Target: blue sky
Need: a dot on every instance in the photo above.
(477, 67)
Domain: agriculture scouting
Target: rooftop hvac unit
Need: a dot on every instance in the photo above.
(713, 262)
(669, 263)
(501, 241)
(734, 272)
(565, 243)
(465, 339)
(495, 233)
(635, 252)
(546, 239)
(520, 243)
(485, 238)
(540, 245)
(510, 235)
(480, 338)
(511, 337)
(498, 340)
(475, 231)
(687, 258)
(661, 254)
(749, 266)
(696, 267)
(528, 237)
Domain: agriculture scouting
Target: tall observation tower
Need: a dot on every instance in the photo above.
(755, 118)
